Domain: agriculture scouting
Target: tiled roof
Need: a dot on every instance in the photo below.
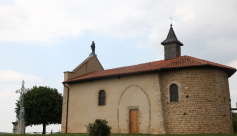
(180, 62)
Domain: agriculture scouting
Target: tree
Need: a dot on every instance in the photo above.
(43, 105)
(17, 109)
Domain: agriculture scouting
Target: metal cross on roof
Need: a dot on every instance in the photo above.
(171, 20)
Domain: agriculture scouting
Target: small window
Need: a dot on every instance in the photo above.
(174, 95)
(102, 95)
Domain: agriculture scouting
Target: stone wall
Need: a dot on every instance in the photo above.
(203, 105)
(172, 51)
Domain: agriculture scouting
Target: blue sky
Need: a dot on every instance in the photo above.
(40, 39)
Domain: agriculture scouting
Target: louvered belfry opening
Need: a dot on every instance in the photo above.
(172, 45)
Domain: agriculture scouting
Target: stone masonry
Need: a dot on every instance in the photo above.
(172, 51)
(204, 101)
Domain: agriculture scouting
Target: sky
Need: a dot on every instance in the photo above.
(40, 39)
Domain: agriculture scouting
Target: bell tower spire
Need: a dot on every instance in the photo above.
(172, 45)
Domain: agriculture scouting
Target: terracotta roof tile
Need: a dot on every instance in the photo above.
(180, 62)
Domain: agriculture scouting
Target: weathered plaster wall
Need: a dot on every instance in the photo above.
(203, 96)
(141, 91)
(64, 110)
(130, 100)
(91, 64)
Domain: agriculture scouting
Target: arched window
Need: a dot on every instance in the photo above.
(174, 94)
(102, 95)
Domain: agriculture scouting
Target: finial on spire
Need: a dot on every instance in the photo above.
(171, 20)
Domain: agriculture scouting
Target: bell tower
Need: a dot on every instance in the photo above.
(172, 45)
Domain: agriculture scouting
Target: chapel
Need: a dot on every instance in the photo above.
(177, 95)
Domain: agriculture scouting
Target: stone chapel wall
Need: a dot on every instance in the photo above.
(203, 105)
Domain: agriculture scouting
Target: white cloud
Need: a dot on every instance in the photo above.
(11, 81)
(61, 80)
(185, 11)
(12, 105)
(50, 21)
(233, 64)
(10, 75)
(6, 93)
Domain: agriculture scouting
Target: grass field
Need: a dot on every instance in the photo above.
(124, 135)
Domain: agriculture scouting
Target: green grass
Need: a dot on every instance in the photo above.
(126, 135)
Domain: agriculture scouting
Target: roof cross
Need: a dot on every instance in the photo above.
(171, 20)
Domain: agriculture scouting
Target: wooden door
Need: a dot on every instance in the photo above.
(134, 121)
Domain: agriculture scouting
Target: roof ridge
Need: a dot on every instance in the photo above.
(207, 62)
(193, 60)
(135, 65)
(199, 60)
(172, 61)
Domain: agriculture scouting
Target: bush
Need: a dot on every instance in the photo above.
(99, 128)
